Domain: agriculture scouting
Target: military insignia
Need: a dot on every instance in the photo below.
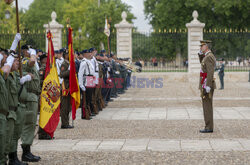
(52, 91)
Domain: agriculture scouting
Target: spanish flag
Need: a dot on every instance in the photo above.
(50, 96)
(73, 82)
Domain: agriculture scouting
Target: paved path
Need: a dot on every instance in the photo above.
(157, 126)
(138, 145)
(173, 113)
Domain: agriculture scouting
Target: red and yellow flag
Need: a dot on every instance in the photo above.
(50, 96)
(73, 82)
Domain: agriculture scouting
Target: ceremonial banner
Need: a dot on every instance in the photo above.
(73, 82)
(50, 96)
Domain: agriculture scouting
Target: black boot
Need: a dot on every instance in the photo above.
(13, 159)
(28, 156)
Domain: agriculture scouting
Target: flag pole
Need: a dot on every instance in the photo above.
(19, 45)
(68, 26)
(108, 38)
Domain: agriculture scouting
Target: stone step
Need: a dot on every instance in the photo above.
(171, 113)
(139, 145)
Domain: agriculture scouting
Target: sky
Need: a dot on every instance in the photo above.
(137, 9)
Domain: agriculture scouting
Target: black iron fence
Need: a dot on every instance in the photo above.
(81, 42)
(161, 51)
(233, 46)
(157, 51)
(35, 38)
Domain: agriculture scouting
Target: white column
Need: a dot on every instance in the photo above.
(56, 30)
(195, 34)
(124, 38)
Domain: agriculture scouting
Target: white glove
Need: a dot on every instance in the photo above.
(69, 67)
(9, 60)
(200, 53)
(32, 52)
(15, 42)
(37, 65)
(25, 79)
(117, 72)
(83, 88)
(208, 89)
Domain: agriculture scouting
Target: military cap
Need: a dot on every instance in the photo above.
(25, 47)
(39, 50)
(103, 51)
(56, 51)
(85, 51)
(204, 42)
(43, 56)
(4, 50)
(61, 50)
(78, 53)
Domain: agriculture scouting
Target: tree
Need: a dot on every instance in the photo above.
(91, 19)
(39, 13)
(216, 14)
(7, 24)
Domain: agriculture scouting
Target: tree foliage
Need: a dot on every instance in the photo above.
(216, 14)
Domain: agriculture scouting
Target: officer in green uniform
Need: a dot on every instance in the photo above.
(65, 103)
(207, 84)
(13, 87)
(30, 65)
(3, 108)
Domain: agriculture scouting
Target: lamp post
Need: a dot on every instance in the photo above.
(109, 24)
(7, 14)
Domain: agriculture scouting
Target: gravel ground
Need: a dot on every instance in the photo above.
(158, 129)
(144, 158)
(161, 129)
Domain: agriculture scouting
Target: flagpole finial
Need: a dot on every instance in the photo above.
(53, 16)
(68, 22)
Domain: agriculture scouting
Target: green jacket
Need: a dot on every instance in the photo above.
(65, 73)
(4, 106)
(13, 87)
(33, 86)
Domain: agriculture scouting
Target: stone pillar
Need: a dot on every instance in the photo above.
(56, 30)
(124, 38)
(195, 34)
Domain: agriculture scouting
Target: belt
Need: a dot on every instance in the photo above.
(4, 112)
(33, 91)
(22, 101)
(11, 108)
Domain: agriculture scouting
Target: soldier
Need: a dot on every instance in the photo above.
(207, 84)
(221, 73)
(59, 62)
(16, 115)
(100, 61)
(115, 74)
(65, 103)
(87, 84)
(30, 65)
(3, 107)
(95, 66)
